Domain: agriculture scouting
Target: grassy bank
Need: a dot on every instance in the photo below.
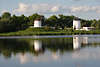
(38, 31)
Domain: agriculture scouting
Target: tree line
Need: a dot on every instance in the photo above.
(11, 23)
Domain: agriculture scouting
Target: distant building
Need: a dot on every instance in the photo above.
(88, 28)
(76, 25)
(37, 23)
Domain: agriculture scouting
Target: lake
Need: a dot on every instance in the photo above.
(50, 51)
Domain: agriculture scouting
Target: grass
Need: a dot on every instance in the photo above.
(42, 31)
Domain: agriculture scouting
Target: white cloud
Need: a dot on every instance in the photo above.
(85, 9)
(81, 8)
(55, 9)
(98, 11)
(52, 9)
(41, 7)
(4, 11)
(76, 9)
(86, 0)
(22, 8)
(45, 8)
(36, 8)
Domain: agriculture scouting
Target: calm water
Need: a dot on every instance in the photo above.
(50, 51)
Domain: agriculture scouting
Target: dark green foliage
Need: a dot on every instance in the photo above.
(60, 21)
(13, 23)
(96, 24)
(9, 47)
(6, 15)
(34, 17)
(5, 25)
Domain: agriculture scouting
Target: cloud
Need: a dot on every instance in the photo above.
(86, 0)
(41, 7)
(36, 8)
(54, 9)
(85, 9)
(22, 8)
(98, 11)
(4, 11)
(80, 9)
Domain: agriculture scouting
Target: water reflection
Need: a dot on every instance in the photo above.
(37, 45)
(23, 58)
(49, 49)
(76, 42)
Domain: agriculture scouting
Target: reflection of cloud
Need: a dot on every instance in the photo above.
(41, 58)
(23, 58)
(82, 54)
(55, 55)
(46, 57)
(87, 54)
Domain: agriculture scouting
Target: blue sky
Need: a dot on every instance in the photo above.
(86, 9)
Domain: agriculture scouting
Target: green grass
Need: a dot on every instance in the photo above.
(42, 31)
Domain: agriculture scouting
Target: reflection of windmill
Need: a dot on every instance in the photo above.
(37, 45)
(76, 42)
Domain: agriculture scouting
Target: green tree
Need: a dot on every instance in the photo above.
(52, 21)
(6, 15)
(5, 25)
(33, 17)
(65, 21)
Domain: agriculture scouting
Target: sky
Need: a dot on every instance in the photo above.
(86, 9)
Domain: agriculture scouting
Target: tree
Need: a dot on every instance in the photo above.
(96, 24)
(6, 15)
(20, 22)
(4, 25)
(65, 21)
(52, 21)
(33, 17)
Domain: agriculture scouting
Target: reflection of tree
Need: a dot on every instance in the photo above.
(14, 46)
(7, 47)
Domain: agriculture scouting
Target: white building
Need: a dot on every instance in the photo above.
(88, 28)
(37, 23)
(76, 24)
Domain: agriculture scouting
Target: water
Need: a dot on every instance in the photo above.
(50, 51)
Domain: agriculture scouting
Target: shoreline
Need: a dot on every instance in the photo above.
(40, 33)
(46, 36)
